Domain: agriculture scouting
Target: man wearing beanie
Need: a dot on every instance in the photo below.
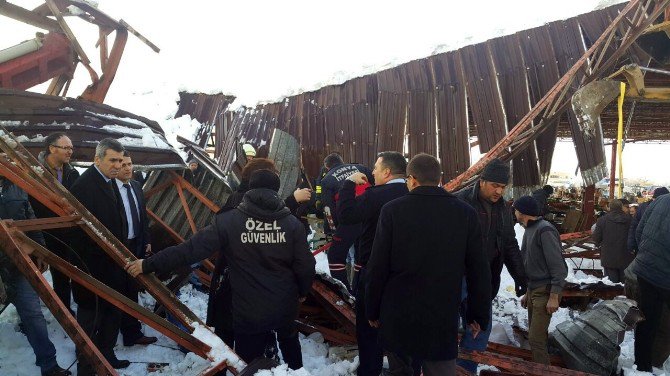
(270, 265)
(499, 243)
(546, 271)
(632, 240)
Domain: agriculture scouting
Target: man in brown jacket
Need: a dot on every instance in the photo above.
(611, 235)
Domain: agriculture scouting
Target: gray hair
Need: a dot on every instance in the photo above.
(106, 144)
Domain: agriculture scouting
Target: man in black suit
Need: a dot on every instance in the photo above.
(389, 174)
(138, 243)
(96, 189)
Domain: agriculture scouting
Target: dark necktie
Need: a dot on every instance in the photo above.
(133, 209)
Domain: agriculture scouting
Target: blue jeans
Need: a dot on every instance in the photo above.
(467, 342)
(27, 305)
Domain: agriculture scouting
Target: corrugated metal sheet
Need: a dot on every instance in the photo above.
(512, 79)
(423, 105)
(31, 117)
(208, 109)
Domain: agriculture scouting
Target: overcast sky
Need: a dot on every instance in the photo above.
(264, 50)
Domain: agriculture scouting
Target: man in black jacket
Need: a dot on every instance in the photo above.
(611, 235)
(14, 205)
(542, 197)
(498, 240)
(344, 235)
(138, 242)
(632, 239)
(56, 159)
(389, 174)
(96, 189)
(426, 242)
(271, 268)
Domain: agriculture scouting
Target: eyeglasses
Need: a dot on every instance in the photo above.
(67, 148)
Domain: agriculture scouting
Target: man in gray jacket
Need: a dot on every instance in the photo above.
(546, 271)
(652, 267)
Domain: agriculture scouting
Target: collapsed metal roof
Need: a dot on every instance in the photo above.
(31, 117)
(439, 104)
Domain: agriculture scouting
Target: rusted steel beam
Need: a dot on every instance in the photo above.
(29, 17)
(195, 192)
(46, 223)
(160, 187)
(115, 298)
(167, 228)
(97, 91)
(29, 186)
(343, 313)
(330, 335)
(575, 235)
(556, 100)
(593, 254)
(520, 353)
(13, 249)
(605, 293)
(518, 365)
(184, 204)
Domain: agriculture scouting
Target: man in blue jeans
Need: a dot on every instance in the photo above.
(498, 241)
(14, 205)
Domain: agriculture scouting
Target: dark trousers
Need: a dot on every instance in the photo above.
(402, 365)
(370, 352)
(61, 283)
(615, 275)
(131, 328)
(102, 325)
(252, 346)
(651, 301)
(345, 236)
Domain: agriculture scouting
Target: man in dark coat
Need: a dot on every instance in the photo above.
(14, 205)
(498, 240)
(632, 239)
(96, 189)
(271, 267)
(344, 235)
(542, 197)
(611, 235)
(138, 242)
(652, 267)
(389, 174)
(56, 159)
(426, 241)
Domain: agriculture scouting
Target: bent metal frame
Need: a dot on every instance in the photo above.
(24, 170)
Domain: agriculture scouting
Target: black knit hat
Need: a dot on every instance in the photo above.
(496, 171)
(660, 191)
(527, 205)
(264, 179)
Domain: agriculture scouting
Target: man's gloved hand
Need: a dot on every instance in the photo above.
(520, 290)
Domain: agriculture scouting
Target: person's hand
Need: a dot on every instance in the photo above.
(475, 328)
(552, 304)
(359, 178)
(41, 264)
(302, 195)
(134, 268)
(148, 250)
(524, 301)
(374, 323)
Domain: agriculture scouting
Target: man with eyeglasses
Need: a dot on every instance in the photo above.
(56, 159)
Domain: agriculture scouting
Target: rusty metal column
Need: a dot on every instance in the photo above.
(613, 169)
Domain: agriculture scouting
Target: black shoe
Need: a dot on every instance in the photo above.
(57, 371)
(118, 363)
(144, 340)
